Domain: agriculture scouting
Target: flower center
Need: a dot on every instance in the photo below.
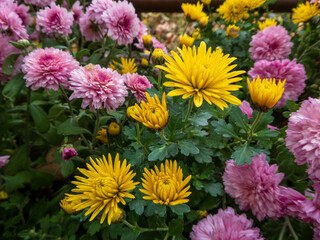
(106, 187)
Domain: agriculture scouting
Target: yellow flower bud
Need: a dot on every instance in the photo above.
(206, 2)
(147, 41)
(67, 205)
(3, 195)
(203, 21)
(202, 213)
(186, 40)
(89, 67)
(118, 216)
(102, 136)
(233, 31)
(196, 35)
(114, 129)
(144, 62)
(157, 56)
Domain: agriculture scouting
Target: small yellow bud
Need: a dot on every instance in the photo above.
(202, 213)
(114, 129)
(157, 56)
(233, 31)
(89, 67)
(131, 111)
(147, 41)
(3, 195)
(203, 21)
(102, 136)
(186, 40)
(206, 2)
(118, 216)
(144, 62)
(246, 16)
(24, 42)
(196, 35)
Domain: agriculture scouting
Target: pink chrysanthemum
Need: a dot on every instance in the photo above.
(246, 109)
(254, 186)
(155, 43)
(96, 9)
(303, 133)
(143, 30)
(89, 29)
(4, 160)
(47, 68)
(21, 10)
(97, 87)
(122, 22)
(6, 50)
(273, 43)
(294, 74)
(77, 10)
(138, 85)
(55, 20)
(226, 224)
(39, 3)
(316, 233)
(11, 24)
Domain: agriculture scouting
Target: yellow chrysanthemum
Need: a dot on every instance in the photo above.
(153, 114)
(166, 186)
(118, 216)
(128, 66)
(253, 4)
(113, 129)
(233, 10)
(305, 11)
(102, 136)
(233, 31)
(106, 184)
(186, 40)
(203, 20)
(68, 205)
(267, 23)
(265, 93)
(206, 2)
(203, 74)
(3, 195)
(157, 56)
(192, 11)
(132, 111)
(147, 41)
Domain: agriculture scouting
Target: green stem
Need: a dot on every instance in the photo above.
(254, 125)
(190, 106)
(67, 99)
(162, 135)
(145, 229)
(184, 30)
(68, 45)
(291, 229)
(96, 128)
(283, 230)
(167, 236)
(109, 55)
(150, 55)
(138, 139)
(130, 50)
(308, 49)
(160, 82)
(28, 121)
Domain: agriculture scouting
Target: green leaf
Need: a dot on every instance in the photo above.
(153, 209)
(137, 205)
(14, 86)
(67, 168)
(214, 189)
(226, 130)
(266, 119)
(204, 156)
(130, 235)
(180, 209)
(130, 132)
(173, 149)
(17, 181)
(9, 62)
(176, 226)
(200, 118)
(40, 118)
(292, 105)
(242, 154)
(266, 133)
(135, 157)
(238, 118)
(19, 161)
(71, 127)
(158, 152)
(94, 58)
(94, 227)
(187, 147)
(81, 53)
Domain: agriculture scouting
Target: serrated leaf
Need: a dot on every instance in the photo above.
(129, 235)
(94, 227)
(221, 127)
(266, 119)
(214, 189)
(81, 53)
(238, 118)
(242, 154)
(176, 226)
(266, 133)
(187, 147)
(40, 118)
(9, 62)
(158, 152)
(14, 86)
(71, 127)
(204, 156)
(200, 118)
(17, 181)
(153, 209)
(130, 133)
(67, 168)
(173, 149)
(134, 157)
(137, 205)
(180, 209)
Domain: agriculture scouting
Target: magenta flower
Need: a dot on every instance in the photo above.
(122, 22)
(98, 87)
(4, 160)
(294, 74)
(39, 3)
(255, 186)
(11, 24)
(272, 128)
(47, 68)
(96, 9)
(246, 109)
(55, 20)
(77, 12)
(273, 43)
(226, 224)
(89, 29)
(316, 233)
(137, 85)
(68, 153)
(143, 30)
(21, 10)
(303, 134)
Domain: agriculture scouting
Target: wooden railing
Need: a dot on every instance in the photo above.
(175, 5)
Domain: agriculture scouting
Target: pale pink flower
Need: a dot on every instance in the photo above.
(303, 134)
(98, 87)
(21, 10)
(77, 10)
(225, 225)
(96, 9)
(122, 22)
(272, 43)
(4, 160)
(255, 186)
(68, 153)
(246, 108)
(39, 3)
(47, 68)
(293, 73)
(272, 128)
(55, 20)
(11, 24)
(137, 85)
(143, 30)
(313, 1)
(89, 29)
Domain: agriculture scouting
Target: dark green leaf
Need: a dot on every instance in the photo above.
(176, 226)
(137, 205)
(14, 86)
(19, 161)
(94, 227)
(214, 189)
(242, 154)
(180, 209)
(17, 181)
(204, 156)
(158, 152)
(129, 235)
(71, 127)
(9, 62)
(130, 133)
(221, 127)
(200, 118)
(67, 168)
(266, 133)
(187, 147)
(173, 149)
(153, 209)
(238, 118)
(40, 118)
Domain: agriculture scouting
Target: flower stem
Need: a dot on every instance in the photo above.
(167, 236)
(184, 30)
(308, 49)
(162, 135)
(68, 45)
(96, 127)
(145, 229)
(283, 230)
(28, 120)
(109, 55)
(291, 229)
(190, 106)
(160, 82)
(67, 99)
(138, 139)
(254, 125)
